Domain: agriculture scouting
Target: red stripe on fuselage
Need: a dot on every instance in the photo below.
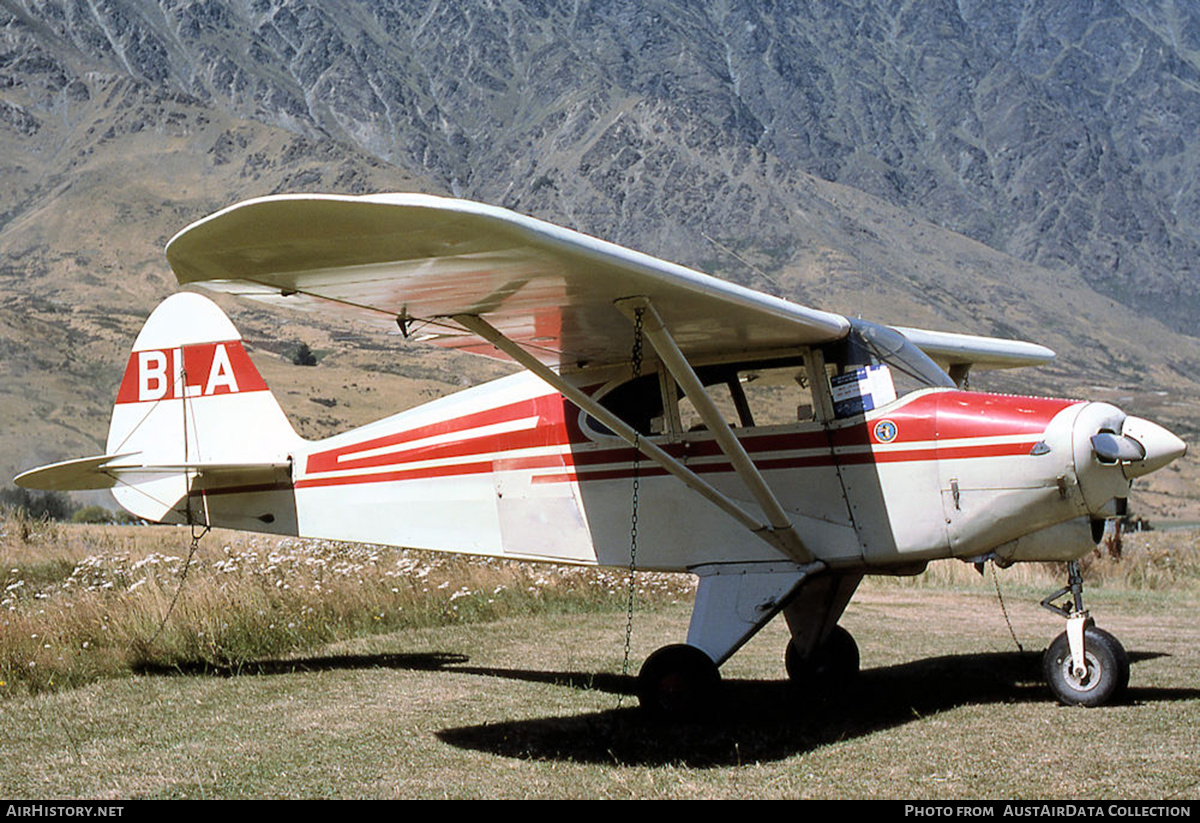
(960, 415)
(922, 422)
(811, 461)
(549, 431)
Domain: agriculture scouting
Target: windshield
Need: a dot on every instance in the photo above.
(870, 342)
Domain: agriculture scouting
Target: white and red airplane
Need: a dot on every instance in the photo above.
(777, 452)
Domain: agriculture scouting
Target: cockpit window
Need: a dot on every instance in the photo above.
(869, 344)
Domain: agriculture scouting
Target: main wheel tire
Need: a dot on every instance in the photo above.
(832, 665)
(677, 681)
(1107, 666)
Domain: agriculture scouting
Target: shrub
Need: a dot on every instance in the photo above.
(304, 356)
(37, 505)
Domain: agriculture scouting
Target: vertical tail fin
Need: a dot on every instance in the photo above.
(196, 436)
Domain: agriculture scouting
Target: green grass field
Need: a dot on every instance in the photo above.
(524, 696)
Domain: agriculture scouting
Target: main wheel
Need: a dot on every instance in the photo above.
(677, 681)
(1106, 669)
(831, 665)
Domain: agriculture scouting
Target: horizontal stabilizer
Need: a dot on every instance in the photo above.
(105, 472)
(80, 474)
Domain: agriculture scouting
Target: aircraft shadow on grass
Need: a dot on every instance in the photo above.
(760, 720)
(753, 720)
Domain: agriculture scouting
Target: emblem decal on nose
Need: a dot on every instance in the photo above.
(885, 431)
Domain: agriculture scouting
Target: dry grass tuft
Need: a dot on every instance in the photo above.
(84, 602)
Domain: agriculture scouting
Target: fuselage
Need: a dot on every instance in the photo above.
(866, 480)
(511, 468)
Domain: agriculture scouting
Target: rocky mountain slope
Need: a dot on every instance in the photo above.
(1063, 134)
(1023, 169)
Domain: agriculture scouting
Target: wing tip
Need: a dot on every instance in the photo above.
(978, 350)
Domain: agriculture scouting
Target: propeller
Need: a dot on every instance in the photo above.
(1116, 448)
(1141, 447)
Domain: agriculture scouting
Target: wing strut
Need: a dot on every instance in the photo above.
(477, 325)
(781, 526)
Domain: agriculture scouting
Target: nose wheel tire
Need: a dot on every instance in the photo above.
(1106, 669)
(832, 665)
(677, 681)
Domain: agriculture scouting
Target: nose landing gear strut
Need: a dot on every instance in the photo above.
(1084, 666)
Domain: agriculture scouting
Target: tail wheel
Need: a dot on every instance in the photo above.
(831, 665)
(677, 681)
(1106, 669)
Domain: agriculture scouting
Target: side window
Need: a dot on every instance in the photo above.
(726, 394)
(755, 395)
(637, 402)
(778, 395)
(772, 393)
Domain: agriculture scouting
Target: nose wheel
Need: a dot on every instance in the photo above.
(1084, 666)
(1103, 675)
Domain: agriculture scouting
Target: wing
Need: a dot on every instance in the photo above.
(418, 260)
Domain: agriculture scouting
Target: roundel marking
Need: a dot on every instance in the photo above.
(885, 431)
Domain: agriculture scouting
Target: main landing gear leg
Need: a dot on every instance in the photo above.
(1084, 666)
(733, 601)
(821, 656)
